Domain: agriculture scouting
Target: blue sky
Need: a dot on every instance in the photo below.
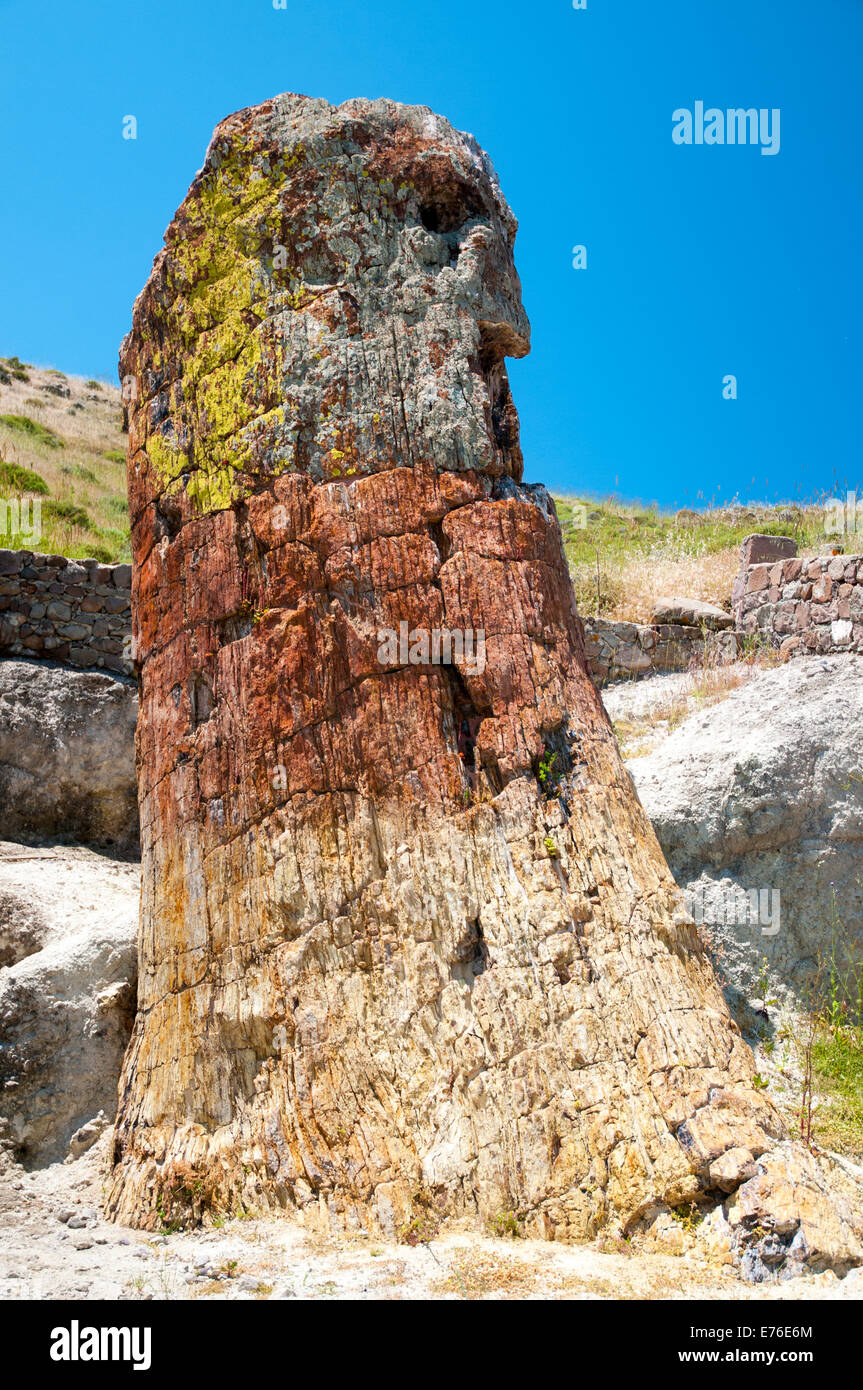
(701, 261)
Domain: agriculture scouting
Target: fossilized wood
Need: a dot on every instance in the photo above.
(378, 985)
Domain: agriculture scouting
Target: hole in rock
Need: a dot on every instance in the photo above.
(553, 764)
(448, 208)
(201, 698)
(470, 956)
(168, 518)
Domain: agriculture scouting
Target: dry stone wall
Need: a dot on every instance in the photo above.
(76, 612)
(624, 651)
(801, 605)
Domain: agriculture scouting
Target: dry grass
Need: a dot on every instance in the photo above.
(644, 579)
(640, 729)
(67, 443)
(479, 1274)
(626, 556)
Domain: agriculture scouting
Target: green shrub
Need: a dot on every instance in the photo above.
(79, 471)
(16, 368)
(68, 512)
(13, 475)
(40, 434)
(505, 1223)
(114, 455)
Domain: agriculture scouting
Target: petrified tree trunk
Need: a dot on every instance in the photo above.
(409, 946)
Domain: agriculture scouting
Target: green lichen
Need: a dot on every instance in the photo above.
(223, 284)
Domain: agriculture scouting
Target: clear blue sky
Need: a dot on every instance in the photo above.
(702, 261)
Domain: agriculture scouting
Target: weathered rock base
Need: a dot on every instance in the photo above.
(793, 1214)
(473, 1056)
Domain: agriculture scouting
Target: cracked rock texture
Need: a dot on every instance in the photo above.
(67, 768)
(765, 792)
(67, 993)
(385, 976)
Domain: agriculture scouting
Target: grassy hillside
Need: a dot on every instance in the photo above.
(624, 556)
(61, 441)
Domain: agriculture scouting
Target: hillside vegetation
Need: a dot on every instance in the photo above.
(623, 556)
(61, 441)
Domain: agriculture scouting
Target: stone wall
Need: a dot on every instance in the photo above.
(801, 605)
(623, 651)
(77, 612)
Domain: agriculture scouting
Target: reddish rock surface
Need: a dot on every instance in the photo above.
(409, 948)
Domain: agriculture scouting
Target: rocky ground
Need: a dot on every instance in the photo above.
(54, 1244)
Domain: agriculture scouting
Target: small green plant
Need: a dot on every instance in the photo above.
(505, 1223)
(93, 385)
(545, 771)
(423, 1226)
(418, 1231)
(762, 987)
(689, 1217)
(760, 1082)
(114, 455)
(168, 1225)
(229, 1268)
(550, 847)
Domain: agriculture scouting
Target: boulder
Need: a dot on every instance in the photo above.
(66, 1007)
(691, 612)
(759, 550)
(763, 793)
(789, 1218)
(67, 755)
